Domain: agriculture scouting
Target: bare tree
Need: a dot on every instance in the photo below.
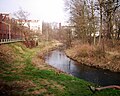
(21, 14)
(22, 17)
(117, 24)
(83, 15)
(78, 17)
(47, 30)
(110, 7)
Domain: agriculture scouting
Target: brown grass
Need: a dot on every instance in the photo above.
(94, 56)
(82, 51)
(7, 54)
(52, 84)
(37, 92)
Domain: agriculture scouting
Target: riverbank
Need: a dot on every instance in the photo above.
(24, 73)
(93, 56)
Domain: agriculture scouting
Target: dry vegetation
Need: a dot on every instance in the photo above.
(26, 74)
(93, 56)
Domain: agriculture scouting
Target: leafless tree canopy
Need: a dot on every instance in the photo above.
(95, 18)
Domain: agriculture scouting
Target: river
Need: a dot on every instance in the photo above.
(59, 60)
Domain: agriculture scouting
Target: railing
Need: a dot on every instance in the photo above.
(4, 41)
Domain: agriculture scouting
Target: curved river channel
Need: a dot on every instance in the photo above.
(59, 60)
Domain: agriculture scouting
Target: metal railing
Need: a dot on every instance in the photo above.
(4, 41)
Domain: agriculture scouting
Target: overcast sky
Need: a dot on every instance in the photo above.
(47, 10)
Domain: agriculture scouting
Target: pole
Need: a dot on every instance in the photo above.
(9, 32)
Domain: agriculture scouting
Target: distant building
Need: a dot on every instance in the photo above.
(9, 27)
(36, 26)
(7, 31)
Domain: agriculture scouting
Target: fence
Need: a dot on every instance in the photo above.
(8, 33)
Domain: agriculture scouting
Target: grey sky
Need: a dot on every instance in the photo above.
(47, 10)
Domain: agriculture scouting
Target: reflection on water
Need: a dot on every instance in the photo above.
(59, 60)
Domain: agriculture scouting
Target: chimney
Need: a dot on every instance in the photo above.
(59, 25)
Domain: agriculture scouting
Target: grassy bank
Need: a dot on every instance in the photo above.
(24, 73)
(93, 56)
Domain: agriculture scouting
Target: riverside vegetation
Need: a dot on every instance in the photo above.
(93, 56)
(24, 73)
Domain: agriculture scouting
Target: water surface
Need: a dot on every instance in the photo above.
(59, 60)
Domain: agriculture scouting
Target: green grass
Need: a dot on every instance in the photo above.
(43, 82)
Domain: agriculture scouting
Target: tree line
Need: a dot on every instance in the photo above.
(95, 21)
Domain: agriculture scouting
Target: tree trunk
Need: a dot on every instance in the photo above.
(100, 32)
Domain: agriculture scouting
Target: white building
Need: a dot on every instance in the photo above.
(36, 26)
